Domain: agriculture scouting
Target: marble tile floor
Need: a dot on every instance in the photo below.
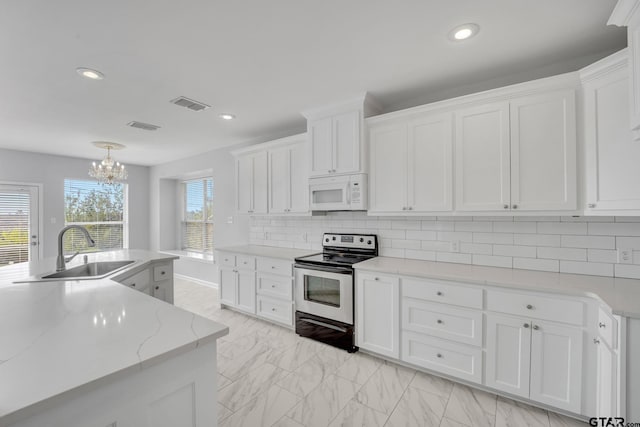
(269, 376)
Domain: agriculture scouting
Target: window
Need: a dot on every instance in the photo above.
(101, 209)
(197, 217)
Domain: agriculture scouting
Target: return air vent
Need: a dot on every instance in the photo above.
(143, 126)
(191, 104)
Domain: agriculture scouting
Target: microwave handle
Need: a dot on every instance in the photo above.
(348, 194)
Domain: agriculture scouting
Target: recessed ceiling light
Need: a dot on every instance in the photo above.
(463, 32)
(89, 73)
(226, 116)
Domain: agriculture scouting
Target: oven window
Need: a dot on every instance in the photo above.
(327, 196)
(322, 290)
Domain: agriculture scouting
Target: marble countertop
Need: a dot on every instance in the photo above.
(621, 295)
(60, 338)
(268, 251)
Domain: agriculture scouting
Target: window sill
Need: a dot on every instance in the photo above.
(194, 256)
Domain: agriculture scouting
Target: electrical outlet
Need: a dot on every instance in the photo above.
(625, 256)
(455, 246)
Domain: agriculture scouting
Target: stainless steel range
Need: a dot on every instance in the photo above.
(324, 288)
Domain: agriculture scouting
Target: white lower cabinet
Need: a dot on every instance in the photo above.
(535, 359)
(274, 309)
(238, 288)
(155, 280)
(377, 314)
(608, 366)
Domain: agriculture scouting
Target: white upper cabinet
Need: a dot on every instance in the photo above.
(518, 155)
(611, 171)
(336, 137)
(627, 14)
(251, 183)
(411, 165)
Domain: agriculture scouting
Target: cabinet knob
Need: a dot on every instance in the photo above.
(591, 205)
(404, 208)
(526, 325)
(329, 171)
(273, 286)
(596, 340)
(273, 309)
(410, 208)
(439, 293)
(506, 206)
(602, 325)
(133, 285)
(514, 207)
(536, 327)
(376, 278)
(273, 266)
(439, 321)
(157, 287)
(529, 307)
(439, 356)
(162, 273)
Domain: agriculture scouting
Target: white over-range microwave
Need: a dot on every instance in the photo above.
(338, 193)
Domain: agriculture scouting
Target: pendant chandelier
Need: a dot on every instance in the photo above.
(108, 171)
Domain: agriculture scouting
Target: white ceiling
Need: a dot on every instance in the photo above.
(263, 60)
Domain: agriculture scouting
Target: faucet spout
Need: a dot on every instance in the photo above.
(61, 260)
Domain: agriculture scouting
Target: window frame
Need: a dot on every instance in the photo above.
(203, 222)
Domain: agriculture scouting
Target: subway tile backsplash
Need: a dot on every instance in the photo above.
(561, 244)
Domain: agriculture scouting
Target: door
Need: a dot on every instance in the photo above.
(19, 224)
(244, 184)
(388, 176)
(430, 164)
(246, 282)
(556, 365)
(606, 386)
(321, 155)
(378, 305)
(228, 286)
(324, 293)
(299, 178)
(482, 158)
(543, 152)
(260, 184)
(346, 142)
(279, 180)
(508, 354)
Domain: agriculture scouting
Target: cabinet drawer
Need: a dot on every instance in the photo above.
(443, 356)
(275, 286)
(245, 261)
(226, 260)
(277, 310)
(162, 272)
(536, 306)
(442, 292)
(139, 281)
(607, 328)
(452, 323)
(275, 266)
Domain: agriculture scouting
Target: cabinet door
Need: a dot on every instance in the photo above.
(260, 183)
(321, 154)
(278, 180)
(378, 314)
(556, 365)
(543, 152)
(228, 286)
(246, 291)
(508, 354)
(346, 142)
(633, 37)
(430, 164)
(244, 184)
(482, 158)
(299, 178)
(606, 397)
(611, 154)
(388, 175)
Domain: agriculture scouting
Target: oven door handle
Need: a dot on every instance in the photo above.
(324, 325)
(338, 270)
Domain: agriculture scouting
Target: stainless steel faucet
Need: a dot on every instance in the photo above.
(61, 261)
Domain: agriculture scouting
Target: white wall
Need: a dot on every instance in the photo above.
(560, 244)
(50, 171)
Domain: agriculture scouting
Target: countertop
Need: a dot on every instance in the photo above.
(60, 338)
(621, 295)
(268, 251)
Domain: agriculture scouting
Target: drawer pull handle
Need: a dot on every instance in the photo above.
(273, 309)
(439, 321)
(596, 341)
(273, 266)
(439, 356)
(273, 286)
(506, 206)
(602, 325)
(536, 327)
(529, 307)
(439, 293)
(526, 325)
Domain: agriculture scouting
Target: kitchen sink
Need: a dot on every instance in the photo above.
(92, 270)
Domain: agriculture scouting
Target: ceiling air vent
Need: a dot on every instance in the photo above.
(183, 101)
(143, 126)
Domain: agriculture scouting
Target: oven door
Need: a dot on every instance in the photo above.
(325, 291)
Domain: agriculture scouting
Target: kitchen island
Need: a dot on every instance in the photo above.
(99, 353)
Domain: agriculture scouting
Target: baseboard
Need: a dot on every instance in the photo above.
(199, 281)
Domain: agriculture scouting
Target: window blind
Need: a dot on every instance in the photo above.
(197, 224)
(14, 227)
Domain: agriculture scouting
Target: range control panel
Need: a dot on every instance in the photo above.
(351, 241)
